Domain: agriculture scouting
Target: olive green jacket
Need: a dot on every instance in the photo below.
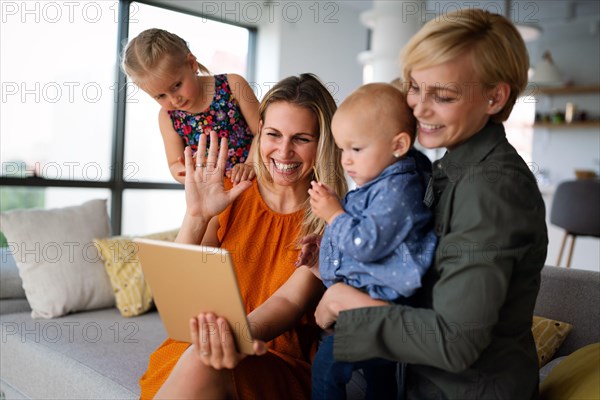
(470, 337)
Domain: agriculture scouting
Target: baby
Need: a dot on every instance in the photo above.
(380, 238)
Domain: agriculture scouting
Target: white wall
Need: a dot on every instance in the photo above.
(324, 38)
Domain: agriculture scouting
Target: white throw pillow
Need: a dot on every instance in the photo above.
(61, 269)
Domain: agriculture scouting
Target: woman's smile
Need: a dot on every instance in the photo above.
(286, 167)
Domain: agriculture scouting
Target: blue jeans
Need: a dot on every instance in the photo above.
(329, 377)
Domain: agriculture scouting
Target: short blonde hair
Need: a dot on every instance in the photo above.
(146, 53)
(308, 91)
(384, 102)
(496, 47)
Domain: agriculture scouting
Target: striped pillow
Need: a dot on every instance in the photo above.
(548, 335)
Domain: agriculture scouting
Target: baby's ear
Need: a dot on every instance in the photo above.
(401, 144)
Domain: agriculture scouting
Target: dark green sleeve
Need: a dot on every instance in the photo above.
(490, 227)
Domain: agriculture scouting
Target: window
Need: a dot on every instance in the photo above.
(152, 210)
(58, 71)
(64, 117)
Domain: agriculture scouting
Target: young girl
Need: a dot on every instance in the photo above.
(193, 101)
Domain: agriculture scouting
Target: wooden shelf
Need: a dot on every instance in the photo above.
(565, 90)
(573, 125)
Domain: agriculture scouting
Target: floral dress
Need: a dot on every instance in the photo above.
(223, 116)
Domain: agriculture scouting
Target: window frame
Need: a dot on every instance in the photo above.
(116, 183)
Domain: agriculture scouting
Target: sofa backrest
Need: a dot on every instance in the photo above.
(573, 296)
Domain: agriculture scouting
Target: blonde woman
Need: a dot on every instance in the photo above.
(469, 334)
(260, 221)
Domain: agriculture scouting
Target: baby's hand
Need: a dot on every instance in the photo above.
(241, 172)
(324, 202)
(309, 254)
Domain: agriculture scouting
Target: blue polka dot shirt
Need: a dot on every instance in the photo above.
(384, 242)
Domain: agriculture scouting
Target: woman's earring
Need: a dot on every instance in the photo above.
(491, 101)
(396, 155)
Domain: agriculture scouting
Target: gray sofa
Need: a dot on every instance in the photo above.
(101, 355)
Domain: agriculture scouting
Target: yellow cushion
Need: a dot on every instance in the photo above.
(132, 294)
(576, 377)
(548, 335)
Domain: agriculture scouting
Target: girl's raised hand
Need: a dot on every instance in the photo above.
(241, 172)
(205, 194)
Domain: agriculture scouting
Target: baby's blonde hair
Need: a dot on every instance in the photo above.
(385, 104)
(146, 53)
(497, 50)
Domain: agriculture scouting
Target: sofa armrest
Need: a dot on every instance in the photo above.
(12, 306)
(11, 285)
(573, 296)
(12, 295)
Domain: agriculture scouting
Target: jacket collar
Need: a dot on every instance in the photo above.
(459, 161)
(476, 148)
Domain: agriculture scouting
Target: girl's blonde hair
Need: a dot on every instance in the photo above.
(497, 50)
(146, 53)
(308, 91)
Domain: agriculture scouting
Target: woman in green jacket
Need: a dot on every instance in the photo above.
(469, 336)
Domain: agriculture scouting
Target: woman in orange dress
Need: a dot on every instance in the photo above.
(260, 223)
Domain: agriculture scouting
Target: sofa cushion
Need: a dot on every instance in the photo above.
(576, 377)
(79, 355)
(11, 285)
(132, 293)
(57, 261)
(548, 335)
